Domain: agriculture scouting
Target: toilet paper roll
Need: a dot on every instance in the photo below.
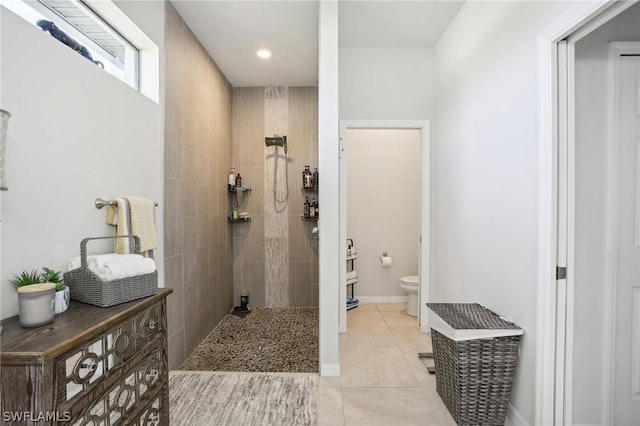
(386, 261)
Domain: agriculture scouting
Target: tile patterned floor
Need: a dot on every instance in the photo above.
(383, 382)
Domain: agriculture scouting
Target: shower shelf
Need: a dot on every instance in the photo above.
(233, 191)
(310, 189)
(308, 218)
(244, 219)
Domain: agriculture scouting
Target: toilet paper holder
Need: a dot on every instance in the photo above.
(385, 260)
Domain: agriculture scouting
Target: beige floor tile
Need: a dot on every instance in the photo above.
(366, 307)
(399, 319)
(330, 411)
(385, 406)
(390, 307)
(410, 339)
(443, 418)
(424, 378)
(368, 340)
(330, 382)
(434, 401)
(379, 369)
(358, 320)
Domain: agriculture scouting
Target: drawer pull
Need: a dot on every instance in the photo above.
(153, 419)
(89, 365)
(152, 324)
(153, 372)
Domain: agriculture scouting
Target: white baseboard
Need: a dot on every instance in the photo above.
(330, 370)
(515, 418)
(366, 300)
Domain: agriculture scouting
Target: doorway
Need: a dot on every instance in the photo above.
(423, 239)
(579, 345)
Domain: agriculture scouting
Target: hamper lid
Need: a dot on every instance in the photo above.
(469, 321)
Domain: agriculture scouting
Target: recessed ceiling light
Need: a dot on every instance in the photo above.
(263, 53)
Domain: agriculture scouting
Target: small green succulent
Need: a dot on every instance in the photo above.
(51, 276)
(35, 277)
(25, 278)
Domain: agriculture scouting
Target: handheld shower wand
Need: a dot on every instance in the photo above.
(279, 141)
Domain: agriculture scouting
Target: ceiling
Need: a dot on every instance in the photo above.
(232, 31)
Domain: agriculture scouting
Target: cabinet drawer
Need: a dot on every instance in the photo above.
(82, 369)
(132, 395)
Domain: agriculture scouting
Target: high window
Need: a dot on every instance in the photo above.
(75, 21)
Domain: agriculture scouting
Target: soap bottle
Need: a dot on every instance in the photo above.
(304, 177)
(232, 181)
(307, 208)
(238, 181)
(315, 178)
(312, 209)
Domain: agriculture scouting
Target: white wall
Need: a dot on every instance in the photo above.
(76, 133)
(383, 206)
(486, 167)
(387, 84)
(592, 110)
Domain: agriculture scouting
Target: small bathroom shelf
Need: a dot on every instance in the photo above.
(310, 189)
(244, 189)
(308, 218)
(352, 302)
(242, 219)
(237, 198)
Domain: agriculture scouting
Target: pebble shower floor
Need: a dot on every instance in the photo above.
(265, 340)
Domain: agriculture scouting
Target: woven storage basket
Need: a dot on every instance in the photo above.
(474, 376)
(86, 287)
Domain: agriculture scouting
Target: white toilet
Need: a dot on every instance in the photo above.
(410, 286)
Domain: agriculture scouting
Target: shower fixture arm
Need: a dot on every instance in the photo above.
(276, 141)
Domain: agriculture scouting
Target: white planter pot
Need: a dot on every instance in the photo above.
(62, 300)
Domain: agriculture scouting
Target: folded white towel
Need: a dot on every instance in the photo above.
(98, 263)
(116, 270)
(351, 275)
(76, 262)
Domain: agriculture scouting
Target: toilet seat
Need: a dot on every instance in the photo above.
(411, 280)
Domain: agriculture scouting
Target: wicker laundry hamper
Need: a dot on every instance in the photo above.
(475, 354)
(87, 287)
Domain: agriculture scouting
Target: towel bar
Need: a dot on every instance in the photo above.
(100, 203)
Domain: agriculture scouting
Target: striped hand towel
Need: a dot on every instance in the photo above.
(142, 222)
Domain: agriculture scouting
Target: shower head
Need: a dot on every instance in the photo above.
(276, 141)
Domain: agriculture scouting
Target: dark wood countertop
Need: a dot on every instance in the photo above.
(20, 346)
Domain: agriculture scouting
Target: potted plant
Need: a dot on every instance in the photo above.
(36, 300)
(62, 291)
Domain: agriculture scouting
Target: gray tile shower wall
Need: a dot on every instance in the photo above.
(198, 143)
(275, 259)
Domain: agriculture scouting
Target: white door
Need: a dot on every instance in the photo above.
(626, 401)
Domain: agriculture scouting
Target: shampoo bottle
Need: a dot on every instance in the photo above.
(232, 181)
(307, 209)
(312, 209)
